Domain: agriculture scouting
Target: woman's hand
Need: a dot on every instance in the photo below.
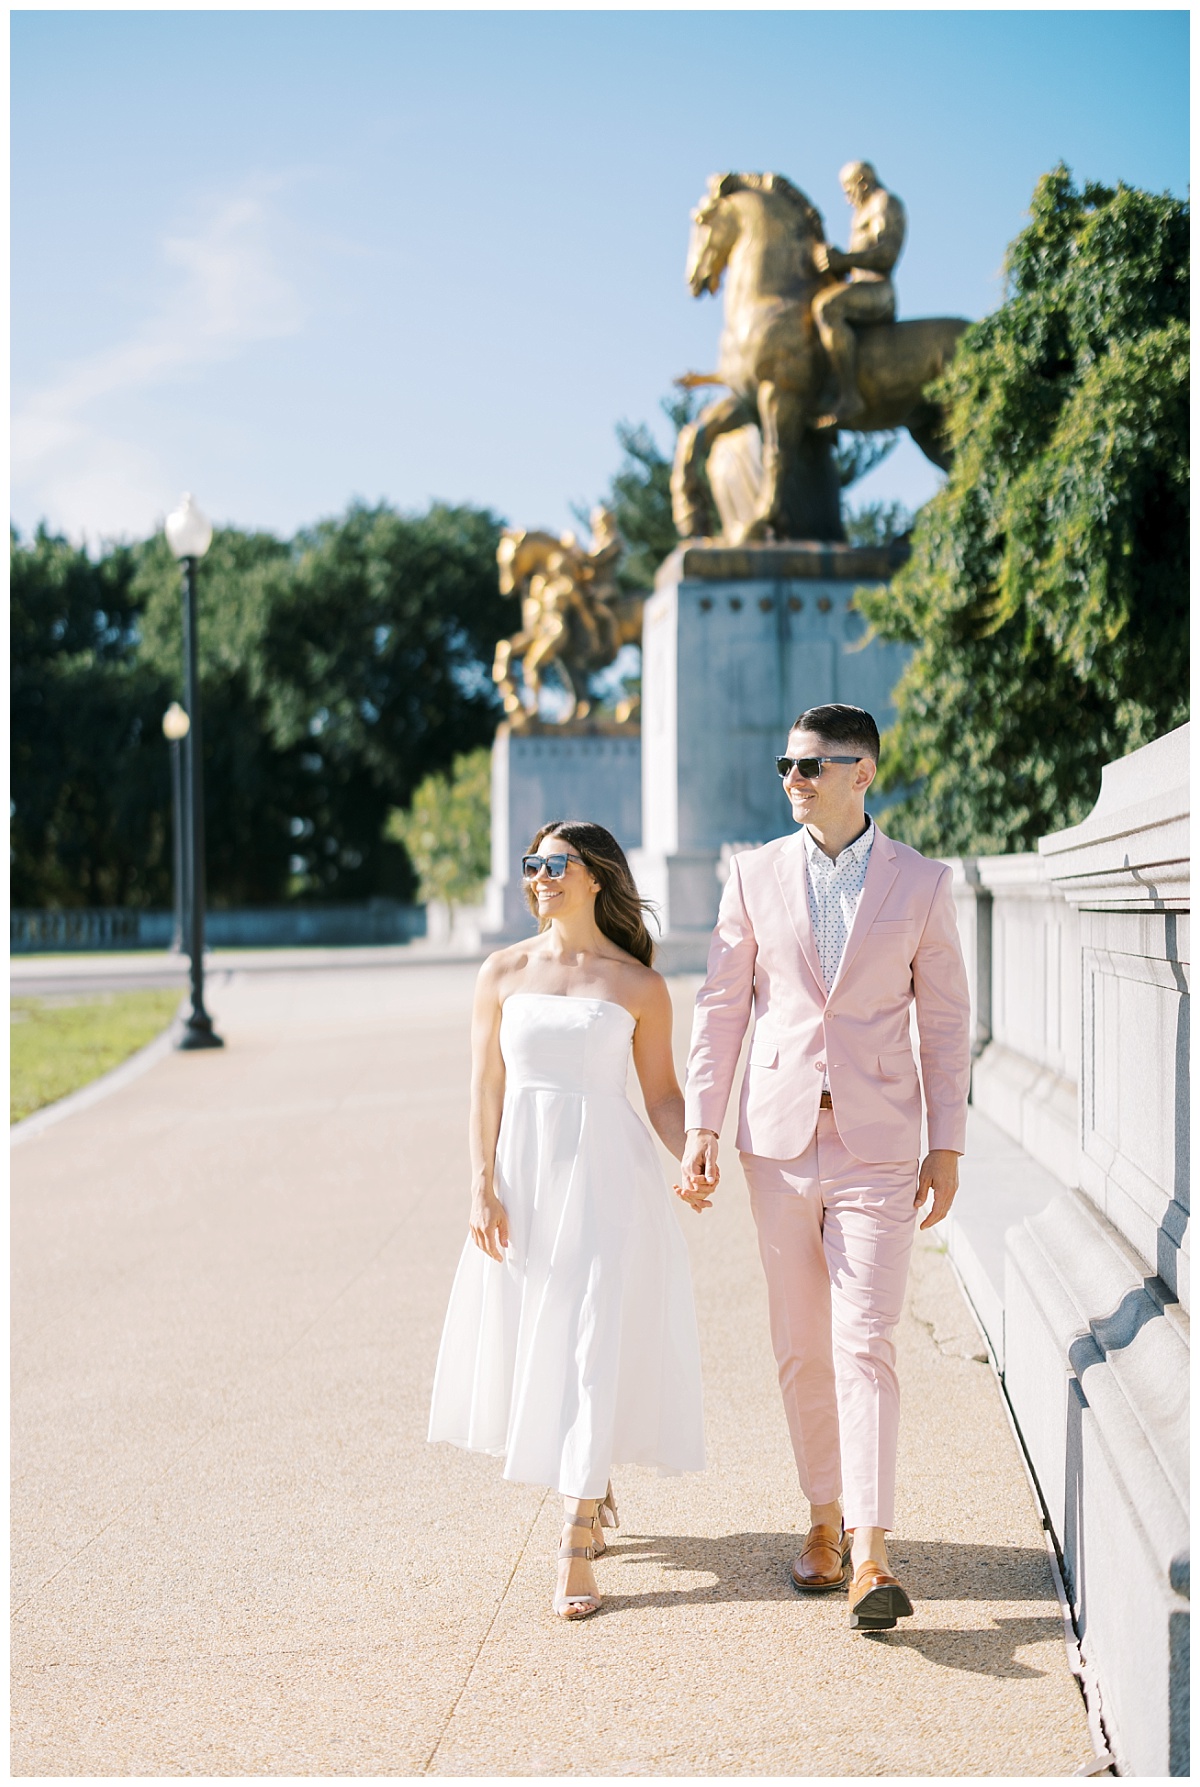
(489, 1223)
(695, 1197)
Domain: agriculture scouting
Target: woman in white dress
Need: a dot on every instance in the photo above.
(570, 1342)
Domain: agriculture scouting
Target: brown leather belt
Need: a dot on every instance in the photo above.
(826, 1101)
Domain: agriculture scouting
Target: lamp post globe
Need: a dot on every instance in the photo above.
(176, 725)
(189, 531)
(189, 535)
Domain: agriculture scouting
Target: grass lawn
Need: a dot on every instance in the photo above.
(61, 1044)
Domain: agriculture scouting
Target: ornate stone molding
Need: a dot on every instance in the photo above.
(1131, 852)
(787, 560)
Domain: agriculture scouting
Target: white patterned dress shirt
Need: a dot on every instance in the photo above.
(835, 887)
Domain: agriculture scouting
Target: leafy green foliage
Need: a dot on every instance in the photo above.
(90, 774)
(377, 673)
(447, 830)
(858, 454)
(877, 524)
(252, 784)
(1047, 591)
(337, 671)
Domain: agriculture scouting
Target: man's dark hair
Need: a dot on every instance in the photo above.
(841, 725)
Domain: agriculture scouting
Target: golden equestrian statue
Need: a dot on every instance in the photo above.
(572, 616)
(810, 345)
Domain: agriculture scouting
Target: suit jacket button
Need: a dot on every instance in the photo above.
(820, 1066)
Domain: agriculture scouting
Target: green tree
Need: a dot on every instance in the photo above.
(337, 670)
(447, 830)
(90, 784)
(1047, 590)
(252, 785)
(877, 524)
(379, 672)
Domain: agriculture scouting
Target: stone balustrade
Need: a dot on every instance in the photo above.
(1072, 1234)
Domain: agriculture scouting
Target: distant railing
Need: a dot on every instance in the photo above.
(246, 927)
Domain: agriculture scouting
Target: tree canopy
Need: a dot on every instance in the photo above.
(1047, 589)
(447, 830)
(89, 769)
(337, 671)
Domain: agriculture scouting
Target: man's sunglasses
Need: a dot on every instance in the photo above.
(555, 866)
(808, 767)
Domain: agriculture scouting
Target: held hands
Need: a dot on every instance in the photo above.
(488, 1223)
(701, 1174)
(939, 1174)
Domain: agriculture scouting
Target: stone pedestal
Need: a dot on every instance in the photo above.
(591, 770)
(736, 642)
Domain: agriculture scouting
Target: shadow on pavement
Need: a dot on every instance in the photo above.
(755, 1566)
(987, 1652)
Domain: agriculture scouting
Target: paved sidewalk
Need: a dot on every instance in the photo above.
(105, 971)
(236, 1555)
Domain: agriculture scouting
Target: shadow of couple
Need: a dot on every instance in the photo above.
(755, 1567)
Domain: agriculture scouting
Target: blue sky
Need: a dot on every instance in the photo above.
(289, 259)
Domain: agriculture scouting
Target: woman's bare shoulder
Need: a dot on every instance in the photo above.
(505, 966)
(644, 988)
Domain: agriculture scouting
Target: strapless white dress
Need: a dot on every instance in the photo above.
(579, 1351)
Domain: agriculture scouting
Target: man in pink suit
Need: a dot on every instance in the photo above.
(826, 938)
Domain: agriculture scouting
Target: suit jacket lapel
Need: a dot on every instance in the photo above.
(792, 873)
(882, 870)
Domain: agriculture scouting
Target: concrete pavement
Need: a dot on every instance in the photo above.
(235, 1553)
(81, 972)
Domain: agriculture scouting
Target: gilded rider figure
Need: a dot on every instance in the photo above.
(876, 238)
(572, 613)
(598, 568)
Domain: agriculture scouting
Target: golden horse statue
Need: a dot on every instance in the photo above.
(573, 618)
(762, 235)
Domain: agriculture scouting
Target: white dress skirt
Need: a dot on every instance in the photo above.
(579, 1351)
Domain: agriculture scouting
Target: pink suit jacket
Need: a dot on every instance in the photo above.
(903, 944)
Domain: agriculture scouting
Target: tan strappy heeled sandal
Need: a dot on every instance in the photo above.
(605, 1515)
(577, 1606)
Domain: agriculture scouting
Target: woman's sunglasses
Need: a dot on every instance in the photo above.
(555, 866)
(808, 767)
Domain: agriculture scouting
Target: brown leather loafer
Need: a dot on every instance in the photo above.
(877, 1599)
(822, 1562)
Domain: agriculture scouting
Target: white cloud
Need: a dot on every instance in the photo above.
(70, 463)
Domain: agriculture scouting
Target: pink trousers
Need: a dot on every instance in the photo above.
(835, 1234)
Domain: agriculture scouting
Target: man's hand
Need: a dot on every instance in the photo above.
(827, 259)
(701, 1173)
(939, 1174)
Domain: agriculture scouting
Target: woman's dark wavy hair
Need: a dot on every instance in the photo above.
(619, 907)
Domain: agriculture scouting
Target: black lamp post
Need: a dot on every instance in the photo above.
(189, 534)
(175, 725)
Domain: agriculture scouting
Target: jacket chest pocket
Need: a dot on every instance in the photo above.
(892, 927)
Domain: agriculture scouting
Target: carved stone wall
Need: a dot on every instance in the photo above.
(1080, 962)
(586, 770)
